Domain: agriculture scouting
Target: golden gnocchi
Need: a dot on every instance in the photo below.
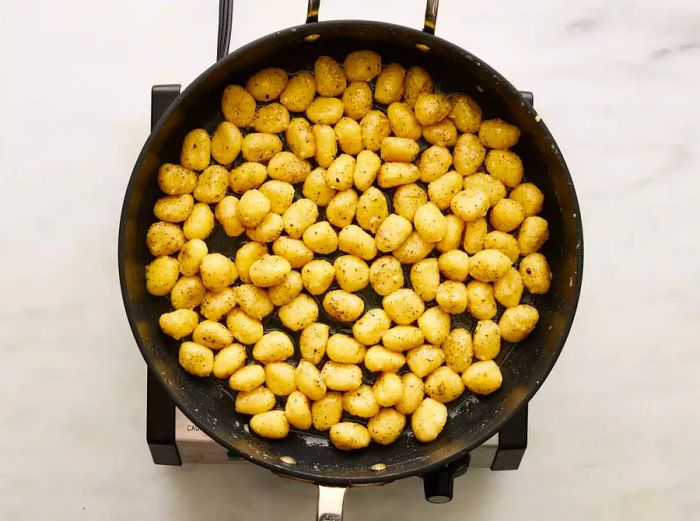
(314, 180)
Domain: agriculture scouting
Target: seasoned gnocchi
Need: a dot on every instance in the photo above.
(386, 426)
(229, 360)
(435, 325)
(246, 329)
(357, 100)
(444, 385)
(425, 278)
(349, 436)
(247, 378)
(407, 199)
(314, 180)
(270, 424)
(372, 210)
(302, 311)
(381, 359)
(458, 349)
(428, 420)
(298, 411)
(403, 306)
(317, 276)
(165, 239)
(179, 323)
(430, 223)
(351, 273)
(386, 275)
(392, 233)
(217, 304)
(343, 306)
(424, 360)
(388, 389)
(327, 411)
(161, 275)
(312, 342)
(226, 143)
(361, 402)
(299, 92)
(412, 393)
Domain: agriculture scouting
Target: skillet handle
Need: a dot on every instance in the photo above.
(223, 40)
(431, 10)
(330, 503)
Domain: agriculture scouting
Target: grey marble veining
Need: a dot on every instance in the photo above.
(612, 431)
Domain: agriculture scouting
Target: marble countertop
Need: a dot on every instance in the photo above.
(612, 431)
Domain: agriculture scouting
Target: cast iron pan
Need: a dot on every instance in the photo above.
(473, 420)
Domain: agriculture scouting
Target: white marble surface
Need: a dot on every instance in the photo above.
(614, 430)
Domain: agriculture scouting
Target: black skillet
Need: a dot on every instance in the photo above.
(307, 455)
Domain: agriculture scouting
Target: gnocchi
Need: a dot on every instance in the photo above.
(428, 420)
(386, 275)
(388, 389)
(298, 411)
(217, 271)
(458, 349)
(196, 359)
(255, 401)
(361, 402)
(312, 342)
(407, 199)
(425, 278)
(430, 223)
(483, 377)
(435, 325)
(357, 100)
(229, 360)
(412, 393)
(327, 411)
(274, 346)
(247, 378)
(403, 306)
(372, 210)
(317, 276)
(349, 436)
(313, 175)
(370, 328)
(386, 426)
(343, 306)
(444, 385)
(351, 273)
(299, 92)
(517, 322)
(380, 359)
(302, 311)
(179, 323)
(424, 360)
(246, 329)
(270, 424)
